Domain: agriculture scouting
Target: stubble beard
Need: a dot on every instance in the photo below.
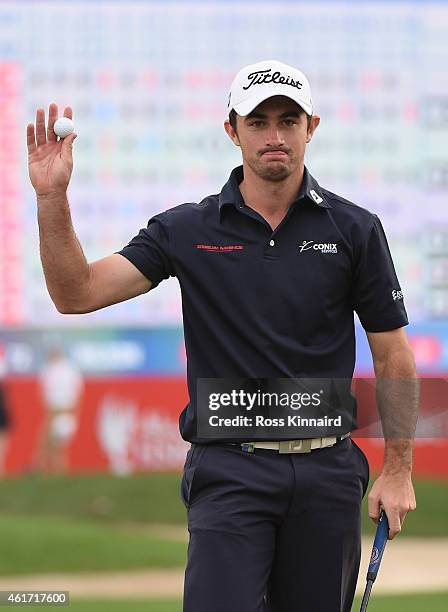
(272, 171)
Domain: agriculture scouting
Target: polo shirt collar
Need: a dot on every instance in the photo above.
(231, 194)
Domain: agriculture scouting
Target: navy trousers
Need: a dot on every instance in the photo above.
(273, 532)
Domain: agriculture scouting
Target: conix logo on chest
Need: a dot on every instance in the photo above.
(323, 247)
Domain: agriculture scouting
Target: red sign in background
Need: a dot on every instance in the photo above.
(128, 425)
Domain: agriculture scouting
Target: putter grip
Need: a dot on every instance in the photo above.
(379, 544)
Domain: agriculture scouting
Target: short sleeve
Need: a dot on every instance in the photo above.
(377, 295)
(149, 250)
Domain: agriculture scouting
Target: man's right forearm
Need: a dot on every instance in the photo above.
(65, 266)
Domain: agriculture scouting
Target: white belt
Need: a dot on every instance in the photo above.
(306, 445)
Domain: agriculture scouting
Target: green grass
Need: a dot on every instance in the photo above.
(434, 602)
(140, 498)
(50, 544)
(155, 499)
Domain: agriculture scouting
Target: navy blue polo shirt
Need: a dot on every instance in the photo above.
(259, 303)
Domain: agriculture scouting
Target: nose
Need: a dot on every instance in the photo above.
(274, 137)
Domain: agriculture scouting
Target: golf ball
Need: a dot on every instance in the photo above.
(63, 127)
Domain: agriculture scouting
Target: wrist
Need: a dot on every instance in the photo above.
(51, 196)
(396, 471)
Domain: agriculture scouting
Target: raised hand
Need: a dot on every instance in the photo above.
(50, 161)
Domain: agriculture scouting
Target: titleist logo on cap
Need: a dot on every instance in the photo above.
(264, 76)
(257, 82)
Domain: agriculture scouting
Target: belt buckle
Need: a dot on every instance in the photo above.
(295, 446)
(246, 447)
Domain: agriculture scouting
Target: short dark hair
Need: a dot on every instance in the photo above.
(232, 117)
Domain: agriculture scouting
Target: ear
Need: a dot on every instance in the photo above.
(315, 120)
(232, 134)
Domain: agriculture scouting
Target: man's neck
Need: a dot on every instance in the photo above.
(272, 200)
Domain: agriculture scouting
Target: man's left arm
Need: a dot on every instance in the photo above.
(397, 393)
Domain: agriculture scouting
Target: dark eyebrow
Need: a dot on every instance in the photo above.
(257, 115)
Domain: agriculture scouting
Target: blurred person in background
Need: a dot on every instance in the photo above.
(271, 270)
(4, 412)
(61, 384)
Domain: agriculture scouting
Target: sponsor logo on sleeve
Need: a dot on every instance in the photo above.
(397, 294)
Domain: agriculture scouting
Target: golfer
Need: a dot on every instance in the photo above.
(271, 271)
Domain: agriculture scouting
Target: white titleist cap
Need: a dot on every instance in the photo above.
(257, 82)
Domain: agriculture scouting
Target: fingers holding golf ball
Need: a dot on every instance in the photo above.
(54, 122)
(63, 127)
